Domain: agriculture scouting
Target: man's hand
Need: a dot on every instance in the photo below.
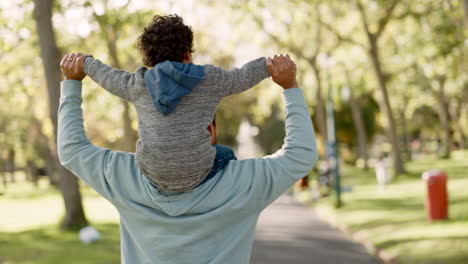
(283, 71)
(72, 66)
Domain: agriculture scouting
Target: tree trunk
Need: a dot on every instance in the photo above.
(31, 172)
(404, 133)
(51, 168)
(465, 4)
(454, 115)
(45, 150)
(3, 171)
(385, 105)
(74, 213)
(11, 164)
(444, 118)
(358, 122)
(464, 112)
(320, 107)
(360, 129)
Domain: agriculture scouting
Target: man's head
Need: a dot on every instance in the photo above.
(213, 131)
(166, 38)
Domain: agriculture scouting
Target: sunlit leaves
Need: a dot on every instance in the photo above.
(423, 40)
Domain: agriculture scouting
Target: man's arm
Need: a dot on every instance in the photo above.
(274, 174)
(75, 151)
(117, 82)
(95, 166)
(237, 80)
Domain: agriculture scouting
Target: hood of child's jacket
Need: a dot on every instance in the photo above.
(168, 82)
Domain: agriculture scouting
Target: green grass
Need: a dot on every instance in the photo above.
(29, 230)
(49, 245)
(395, 220)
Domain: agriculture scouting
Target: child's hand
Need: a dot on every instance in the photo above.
(283, 71)
(72, 66)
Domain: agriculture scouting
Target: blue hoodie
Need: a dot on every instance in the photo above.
(211, 224)
(169, 81)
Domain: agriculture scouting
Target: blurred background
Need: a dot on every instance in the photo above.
(395, 71)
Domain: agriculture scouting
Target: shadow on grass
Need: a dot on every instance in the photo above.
(394, 223)
(51, 245)
(390, 204)
(392, 242)
(25, 190)
(398, 212)
(28, 192)
(380, 204)
(453, 169)
(430, 249)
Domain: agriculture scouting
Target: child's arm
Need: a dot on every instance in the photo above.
(240, 79)
(117, 82)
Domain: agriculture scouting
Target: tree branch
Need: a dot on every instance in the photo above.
(402, 69)
(386, 18)
(363, 18)
(340, 37)
(294, 49)
(409, 12)
(318, 32)
(297, 51)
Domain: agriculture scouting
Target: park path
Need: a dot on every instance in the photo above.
(289, 233)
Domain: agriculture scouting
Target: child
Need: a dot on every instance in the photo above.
(175, 102)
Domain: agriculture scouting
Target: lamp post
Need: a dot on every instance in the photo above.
(332, 151)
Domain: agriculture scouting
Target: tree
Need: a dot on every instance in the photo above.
(312, 59)
(374, 56)
(465, 5)
(444, 117)
(50, 54)
(373, 34)
(357, 120)
(440, 64)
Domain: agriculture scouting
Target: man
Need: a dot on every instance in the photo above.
(215, 222)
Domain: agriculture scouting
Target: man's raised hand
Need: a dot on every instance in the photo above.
(283, 71)
(72, 66)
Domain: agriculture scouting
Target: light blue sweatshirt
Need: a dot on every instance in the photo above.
(213, 223)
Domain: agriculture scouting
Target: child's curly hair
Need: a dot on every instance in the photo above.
(165, 38)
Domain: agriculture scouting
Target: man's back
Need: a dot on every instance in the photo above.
(215, 222)
(211, 224)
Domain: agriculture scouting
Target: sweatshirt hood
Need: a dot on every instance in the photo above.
(197, 201)
(169, 81)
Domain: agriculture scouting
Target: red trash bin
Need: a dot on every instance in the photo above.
(436, 197)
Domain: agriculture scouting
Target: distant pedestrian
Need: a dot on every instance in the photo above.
(382, 172)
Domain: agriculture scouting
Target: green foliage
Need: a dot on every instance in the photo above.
(346, 131)
(271, 131)
(422, 41)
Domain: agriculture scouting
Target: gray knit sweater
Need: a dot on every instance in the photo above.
(174, 151)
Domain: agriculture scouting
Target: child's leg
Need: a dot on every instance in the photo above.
(223, 155)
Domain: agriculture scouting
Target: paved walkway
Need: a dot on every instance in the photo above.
(289, 233)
